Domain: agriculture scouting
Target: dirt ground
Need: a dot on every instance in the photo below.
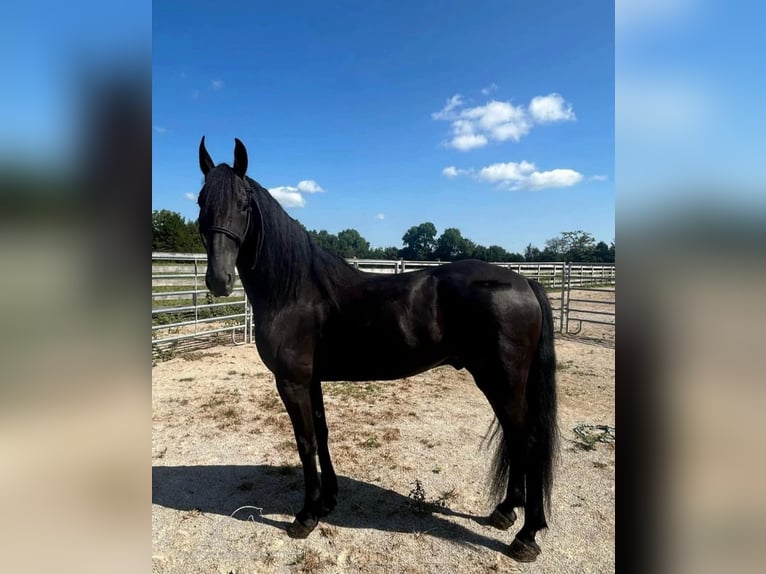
(226, 479)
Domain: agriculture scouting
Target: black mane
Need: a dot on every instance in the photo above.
(291, 258)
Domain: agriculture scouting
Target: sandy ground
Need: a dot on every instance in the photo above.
(222, 441)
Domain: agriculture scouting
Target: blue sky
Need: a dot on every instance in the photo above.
(495, 117)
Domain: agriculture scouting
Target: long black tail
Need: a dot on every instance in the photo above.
(543, 432)
(541, 400)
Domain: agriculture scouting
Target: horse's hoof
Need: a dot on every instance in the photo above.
(299, 530)
(523, 551)
(502, 521)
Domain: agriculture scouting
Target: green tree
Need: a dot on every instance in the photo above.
(419, 242)
(452, 246)
(171, 233)
(474, 251)
(388, 253)
(497, 253)
(532, 253)
(352, 244)
(578, 246)
(603, 253)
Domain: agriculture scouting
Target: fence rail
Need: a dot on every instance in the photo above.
(185, 315)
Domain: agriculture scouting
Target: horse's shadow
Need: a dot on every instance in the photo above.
(278, 490)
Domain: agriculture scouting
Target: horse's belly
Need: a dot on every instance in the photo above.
(377, 365)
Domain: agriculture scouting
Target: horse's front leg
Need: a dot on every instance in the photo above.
(297, 399)
(329, 478)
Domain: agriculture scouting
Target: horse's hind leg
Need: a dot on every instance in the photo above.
(504, 388)
(506, 394)
(329, 478)
(297, 400)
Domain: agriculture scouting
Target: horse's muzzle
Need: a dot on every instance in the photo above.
(220, 285)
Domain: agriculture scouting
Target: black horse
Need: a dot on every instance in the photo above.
(319, 319)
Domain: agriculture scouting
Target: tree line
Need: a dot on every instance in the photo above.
(172, 233)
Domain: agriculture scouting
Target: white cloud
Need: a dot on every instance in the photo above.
(159, 129)
(309, 186)
(521, 175)
(292, 196)
(489, 89)
(380, 216)
(553, 178)
(499, 121)
(217, 84)
(288, 196)
(452, 171)
(190, 196)
(551, 108)
(468, 141)
(510, 171)
(446, 112)
(598, 177)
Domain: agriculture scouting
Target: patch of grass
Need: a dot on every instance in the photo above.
(271, 403)
(357, 391)
(327, 531)
(564, 365)
(232, 372)
(428, 443)
(392, 434)
(308, 561)
(213, 402)
(228, 417)
(165, 354)
(287, 445)
(589, 435)
(193, 356)
(221, 397)
(419, 503)
(371, 442)
(446, 496)
(193, 513)
(280, 422)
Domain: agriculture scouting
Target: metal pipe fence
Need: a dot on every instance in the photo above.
(185, 315)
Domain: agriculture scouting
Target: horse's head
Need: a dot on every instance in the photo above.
(224, 217)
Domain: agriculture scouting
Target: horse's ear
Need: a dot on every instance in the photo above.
(205, 161)
(240, 158)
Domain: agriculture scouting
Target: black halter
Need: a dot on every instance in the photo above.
(239, 239)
